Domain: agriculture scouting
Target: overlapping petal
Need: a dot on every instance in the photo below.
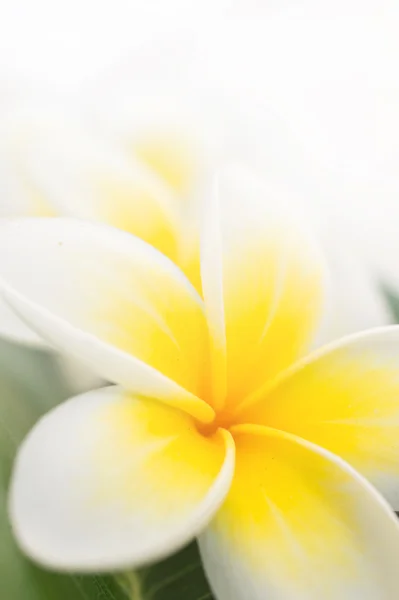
(107, 480)
(160, 133)
(112, 301)
(263, 282)
(299, 524)
(68, 169)
(345, 398)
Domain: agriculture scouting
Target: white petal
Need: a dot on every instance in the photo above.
(113, 302)
(77, 376)
(109, 481)
(64, 165)
(263, 281)
(299, 524)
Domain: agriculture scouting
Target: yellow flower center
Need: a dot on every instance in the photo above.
(223, 419)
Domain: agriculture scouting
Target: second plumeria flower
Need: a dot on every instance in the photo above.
(52, 163)
(217, 427)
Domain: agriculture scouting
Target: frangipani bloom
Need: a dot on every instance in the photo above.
(53, 164)
(216, 427)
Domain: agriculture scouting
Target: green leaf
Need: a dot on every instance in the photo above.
(180, 577)
(392, 300)
(30, 385)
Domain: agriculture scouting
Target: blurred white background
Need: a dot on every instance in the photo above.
(65, 43)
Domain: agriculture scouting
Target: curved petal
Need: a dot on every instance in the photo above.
(15, 330)
(108, 481)
(299, 524)
(345, 398)
(113, 302)
(75, 172)
(161, 133)
(263, 281)
(78, 377)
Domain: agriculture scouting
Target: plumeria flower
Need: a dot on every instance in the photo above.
(218, 424)
(53, 163)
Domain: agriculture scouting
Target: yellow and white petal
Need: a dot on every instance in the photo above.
(112, 301)
(345, 398)
(162, 131)
(299, 524)
(74, 171)
(108, 481)
(157, 106)
(263, 280)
